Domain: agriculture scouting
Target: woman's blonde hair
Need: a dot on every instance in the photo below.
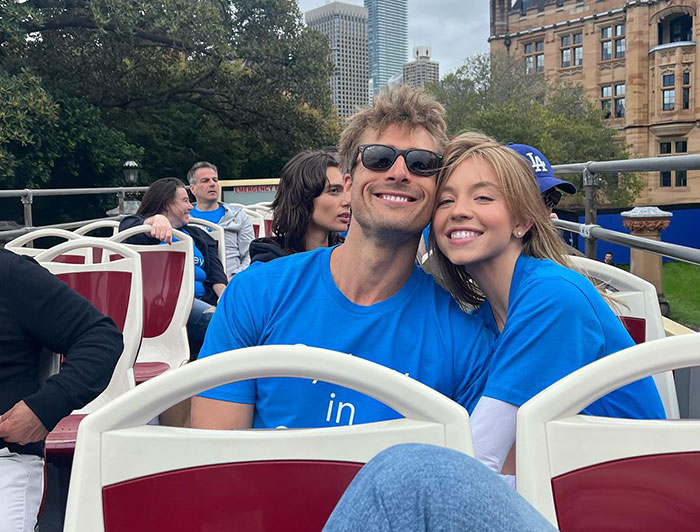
(522, 196)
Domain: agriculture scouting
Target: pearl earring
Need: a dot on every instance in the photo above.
(520, 233)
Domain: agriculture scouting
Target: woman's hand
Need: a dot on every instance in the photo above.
(160, 228)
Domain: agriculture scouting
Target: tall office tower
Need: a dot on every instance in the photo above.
(345, 25)
(421, 71)
(387, 37)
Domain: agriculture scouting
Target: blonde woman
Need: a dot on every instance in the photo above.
(497, 251)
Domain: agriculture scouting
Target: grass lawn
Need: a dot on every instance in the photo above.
(682, 287)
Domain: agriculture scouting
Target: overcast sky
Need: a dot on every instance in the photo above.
(456, 29)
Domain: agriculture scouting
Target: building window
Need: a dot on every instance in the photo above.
(612, 38)
(677, 147)
(686, 90)
(606, 100)
(619, 41)
(612, 100)
(571, 50)
(620, 100)
(534, 57)
(669, 100)
(677, 29)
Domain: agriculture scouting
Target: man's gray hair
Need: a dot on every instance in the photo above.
(196, 166)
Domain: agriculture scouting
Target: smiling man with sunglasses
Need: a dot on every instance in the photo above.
(364, 297)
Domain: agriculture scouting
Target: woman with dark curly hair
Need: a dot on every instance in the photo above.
(310, 208)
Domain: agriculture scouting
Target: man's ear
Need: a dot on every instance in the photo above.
(191, 187)
(347, 184)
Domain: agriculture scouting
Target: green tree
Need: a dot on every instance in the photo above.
(167, 82)
(493, 94)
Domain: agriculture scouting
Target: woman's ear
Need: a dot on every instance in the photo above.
(521, 229)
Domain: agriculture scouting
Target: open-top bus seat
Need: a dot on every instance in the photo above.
(114, 288)
(21, 244)
(131, 476)
(263, 209)
(258, 221)
(637, 304)
(599, 474)
(216, 232)
(168, 292)
(99, 224)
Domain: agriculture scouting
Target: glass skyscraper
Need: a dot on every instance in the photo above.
(387, 39)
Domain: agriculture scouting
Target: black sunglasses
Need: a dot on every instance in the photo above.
(379, 157)
(551, 197)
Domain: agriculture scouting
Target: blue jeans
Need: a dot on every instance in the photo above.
(197, 325)
(424, 488)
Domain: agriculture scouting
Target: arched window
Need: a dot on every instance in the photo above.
(676, 28)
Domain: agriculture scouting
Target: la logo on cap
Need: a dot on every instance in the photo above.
(538, 165)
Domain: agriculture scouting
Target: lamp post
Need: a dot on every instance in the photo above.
(131, 172)
(131, 175)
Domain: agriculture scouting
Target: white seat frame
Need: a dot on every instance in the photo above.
(99, 224)
(172, 346)
(19, 244)
(552, 439)
(115, 444)
(123, 376)
(216, 232)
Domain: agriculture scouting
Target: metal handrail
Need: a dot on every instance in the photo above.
(665, 249)
(27, 196)
(26, 192)
(14, 233)
(591, 171)
(649, 164)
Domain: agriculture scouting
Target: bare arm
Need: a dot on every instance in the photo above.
(160, 227)
(221, 415)
(218, 289)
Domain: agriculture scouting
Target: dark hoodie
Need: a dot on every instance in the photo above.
(267, 249)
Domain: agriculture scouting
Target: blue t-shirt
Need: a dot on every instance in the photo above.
(211, 216)
(199, 274)
(557, 322)
(419, 331)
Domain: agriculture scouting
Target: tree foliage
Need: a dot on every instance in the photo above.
(493, 94)
(166, 82)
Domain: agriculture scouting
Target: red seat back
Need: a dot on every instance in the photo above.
(162, 277)
(636, 327)
(643, 493)
(92, 285)
(296, 495)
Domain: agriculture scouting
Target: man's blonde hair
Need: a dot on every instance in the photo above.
(402, 106)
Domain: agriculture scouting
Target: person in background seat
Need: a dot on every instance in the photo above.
(310, 208)
(238, 231)
(166, 206)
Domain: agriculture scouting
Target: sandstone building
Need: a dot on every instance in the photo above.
(635, 58)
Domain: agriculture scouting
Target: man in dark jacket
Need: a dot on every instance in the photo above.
(37, 311)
